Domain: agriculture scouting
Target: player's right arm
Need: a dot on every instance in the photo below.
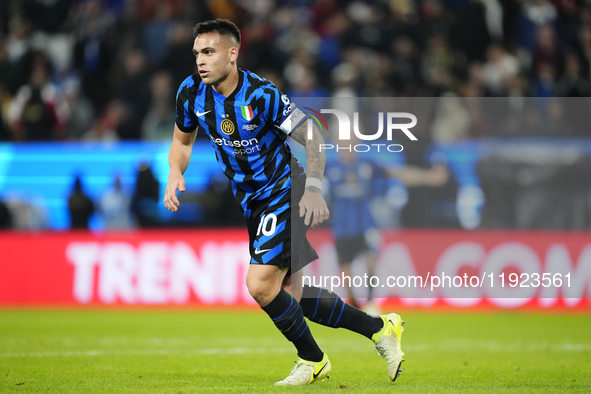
(185, 131)
(178, 160)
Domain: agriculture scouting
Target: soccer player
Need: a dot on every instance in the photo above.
(351, 180)
(248, 121)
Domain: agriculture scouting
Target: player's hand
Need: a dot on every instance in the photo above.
(437, 176)
(313, 206)
(175, 182)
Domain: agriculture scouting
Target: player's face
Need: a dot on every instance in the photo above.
(215, 56)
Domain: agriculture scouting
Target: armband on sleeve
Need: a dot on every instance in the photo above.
(292, 121)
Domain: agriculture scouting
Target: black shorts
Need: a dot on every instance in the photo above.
(349, 248)
(277, 233)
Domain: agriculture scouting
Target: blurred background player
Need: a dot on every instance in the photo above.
(351, 180)
(354, 181)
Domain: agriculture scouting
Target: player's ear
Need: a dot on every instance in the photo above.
(233, 54)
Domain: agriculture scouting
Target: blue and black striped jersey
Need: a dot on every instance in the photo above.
(248, 131)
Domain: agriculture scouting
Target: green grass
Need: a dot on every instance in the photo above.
(175, 352)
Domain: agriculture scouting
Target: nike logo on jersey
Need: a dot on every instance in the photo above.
(256, 251)
(315, 375)
(202, 113)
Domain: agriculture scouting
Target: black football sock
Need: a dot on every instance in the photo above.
(327, 308)
(288, 316)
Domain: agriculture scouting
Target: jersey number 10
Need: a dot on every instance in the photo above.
(264, 224)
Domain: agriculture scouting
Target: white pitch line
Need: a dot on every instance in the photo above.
(150, 352)
(447, 346)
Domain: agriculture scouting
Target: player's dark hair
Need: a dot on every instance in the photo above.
(223, 27)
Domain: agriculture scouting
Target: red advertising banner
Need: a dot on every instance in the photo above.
(189, 267)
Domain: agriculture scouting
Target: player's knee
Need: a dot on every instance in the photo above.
(262, 291)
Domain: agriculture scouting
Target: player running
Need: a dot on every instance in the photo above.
(247, 121)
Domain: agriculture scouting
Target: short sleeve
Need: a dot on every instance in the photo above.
(185, 118)
(281, 111)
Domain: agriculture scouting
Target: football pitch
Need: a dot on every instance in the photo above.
(155, 351)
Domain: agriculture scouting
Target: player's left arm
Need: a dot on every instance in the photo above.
(312, 204)
(413, 176)
(288, 119)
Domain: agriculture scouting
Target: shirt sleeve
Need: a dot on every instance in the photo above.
(185, 118)
(281, 111)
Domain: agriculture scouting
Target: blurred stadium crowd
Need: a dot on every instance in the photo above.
(105, 70)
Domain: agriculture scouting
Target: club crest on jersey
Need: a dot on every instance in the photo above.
(227, 126)
(247, 112)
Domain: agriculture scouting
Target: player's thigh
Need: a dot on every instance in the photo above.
(269, 232)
